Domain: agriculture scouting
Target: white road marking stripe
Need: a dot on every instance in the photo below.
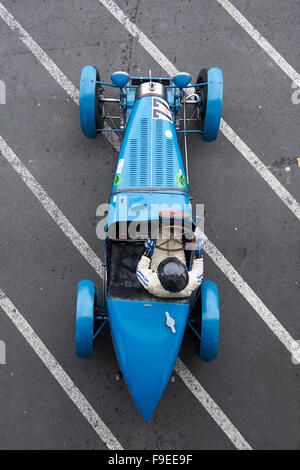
(58, 373)
(56, 214)
(50, 66)
(211, 407)
(96, 263)
(16, 163)
(29, 179)
(142, 39)
(261, 41)
(41, 56)
(228, 132)
(52, 209)
(256, 303)
(86, 251)
(264, 172)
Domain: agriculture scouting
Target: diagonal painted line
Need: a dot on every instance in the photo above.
(223, 264)
(59, 373)
(263, 171)
(228, 132)
(211, 407)
(76, 238)
(67, 227)
(142, 39)
(79, 243)
(86, 251)
(65, 224)
(252, 298)
(261, 41)
(49, 205)
(72, 91)
(41, 56)
(50, 66)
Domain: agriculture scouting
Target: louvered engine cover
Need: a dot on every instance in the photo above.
(150, 156)
(150, 167)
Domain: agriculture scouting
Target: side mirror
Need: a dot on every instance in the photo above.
(181, 80)
(120, 79)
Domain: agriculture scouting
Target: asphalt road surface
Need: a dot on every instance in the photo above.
(254, 380)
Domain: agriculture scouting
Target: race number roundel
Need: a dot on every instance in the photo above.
(180, 180)
(117, 179)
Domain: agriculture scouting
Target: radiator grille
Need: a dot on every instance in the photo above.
(164, 157)
(170, 163)
(158, 164)
(144, 152)
(133, 163)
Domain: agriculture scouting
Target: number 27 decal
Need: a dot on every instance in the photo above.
(160, 110)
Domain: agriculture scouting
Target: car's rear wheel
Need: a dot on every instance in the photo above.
(85, 318)
(206, 317)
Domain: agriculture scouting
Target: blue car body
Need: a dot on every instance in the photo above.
(151, 171)
(150, 167)
(149, 179)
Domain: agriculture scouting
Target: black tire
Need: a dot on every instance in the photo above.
(202, 92)
(98, 106)
(197, 316)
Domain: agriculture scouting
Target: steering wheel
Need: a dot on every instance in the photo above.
(181, 248)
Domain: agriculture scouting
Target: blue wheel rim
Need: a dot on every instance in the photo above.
(87, 101)
(210, 320)
(214, 104)
(84, 344)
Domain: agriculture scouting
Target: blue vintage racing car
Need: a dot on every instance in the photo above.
(149, 192)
